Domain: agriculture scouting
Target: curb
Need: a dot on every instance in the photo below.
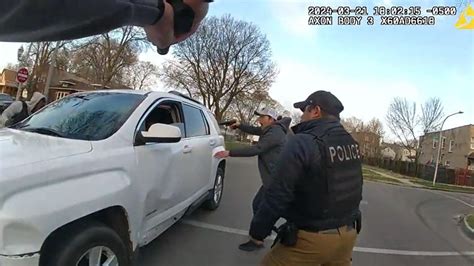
(469, 231)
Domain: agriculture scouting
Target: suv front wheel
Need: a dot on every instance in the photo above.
(92, 244)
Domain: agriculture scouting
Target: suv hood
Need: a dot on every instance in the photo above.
(19, 148)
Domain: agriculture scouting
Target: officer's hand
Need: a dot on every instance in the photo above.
(162, 33)
(235, 125)
(221, 154)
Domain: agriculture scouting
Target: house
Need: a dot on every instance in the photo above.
(388, 153)
(457, 147)
(394, 151)
(62, 83)
(8, 83)
(369, 143)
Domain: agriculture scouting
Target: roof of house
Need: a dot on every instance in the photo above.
(449, 129)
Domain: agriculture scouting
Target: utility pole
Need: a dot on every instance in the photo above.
(19, 91)
(50, 71)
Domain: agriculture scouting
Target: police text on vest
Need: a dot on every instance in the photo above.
(344, 152)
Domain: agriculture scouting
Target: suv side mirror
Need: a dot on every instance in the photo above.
(159, 133)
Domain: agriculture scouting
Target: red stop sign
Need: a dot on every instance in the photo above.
(22, 75)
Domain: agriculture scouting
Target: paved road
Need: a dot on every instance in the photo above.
(401, 226)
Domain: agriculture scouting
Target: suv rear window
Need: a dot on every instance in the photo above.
(194, 122)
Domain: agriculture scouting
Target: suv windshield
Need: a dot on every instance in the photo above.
(85, 116)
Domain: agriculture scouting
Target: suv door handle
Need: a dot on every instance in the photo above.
(187, 149)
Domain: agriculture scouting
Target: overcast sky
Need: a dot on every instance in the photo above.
(365, 66)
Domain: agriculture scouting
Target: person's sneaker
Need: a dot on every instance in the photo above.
(250, 246)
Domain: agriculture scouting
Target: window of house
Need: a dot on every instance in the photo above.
(451, 145)
(447, 163)
(435, 143)
(443, 142)
(61, 94)
(194, 122)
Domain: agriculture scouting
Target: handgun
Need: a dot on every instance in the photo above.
(228, 123)
(183, 20)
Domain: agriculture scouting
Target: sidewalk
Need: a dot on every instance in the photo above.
(416, 182)
(401, 180)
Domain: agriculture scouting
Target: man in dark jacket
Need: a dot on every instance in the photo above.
(317, 188)
(272, 139)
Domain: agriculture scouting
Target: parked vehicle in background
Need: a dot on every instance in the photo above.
(5, 101)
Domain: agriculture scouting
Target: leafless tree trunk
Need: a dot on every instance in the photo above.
(222, 60)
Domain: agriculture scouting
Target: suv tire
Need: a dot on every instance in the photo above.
(77, 244)
(215, 195)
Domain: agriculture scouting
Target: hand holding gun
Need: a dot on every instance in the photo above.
(230, 123)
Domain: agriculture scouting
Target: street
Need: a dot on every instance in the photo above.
(401, 226)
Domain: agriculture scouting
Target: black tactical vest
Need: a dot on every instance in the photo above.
(341, 166)
(330, 194)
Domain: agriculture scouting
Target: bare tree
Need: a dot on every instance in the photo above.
(104, 58)
(141, 75)
(404, 121)
(12, 66)
(352, 124)
(375, 126)
(431, 114)
(222, 60)
(39, 60)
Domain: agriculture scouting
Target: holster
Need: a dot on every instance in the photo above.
(287, 235)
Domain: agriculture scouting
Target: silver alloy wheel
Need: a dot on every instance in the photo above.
(98, 256)
(218, 188)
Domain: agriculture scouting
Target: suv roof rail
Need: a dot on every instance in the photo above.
(185, 96)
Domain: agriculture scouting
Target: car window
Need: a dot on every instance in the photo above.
(86, 116)
(214, 121)
(194, 122)
(165, 113)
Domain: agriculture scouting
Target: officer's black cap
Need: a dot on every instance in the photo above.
(325, 100)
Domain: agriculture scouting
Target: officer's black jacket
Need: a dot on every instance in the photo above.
(299, 160)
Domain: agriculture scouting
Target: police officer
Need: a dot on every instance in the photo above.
(317, 188)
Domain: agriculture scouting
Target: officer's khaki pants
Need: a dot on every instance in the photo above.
(332, 247)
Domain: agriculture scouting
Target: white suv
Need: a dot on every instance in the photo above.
(93, 176)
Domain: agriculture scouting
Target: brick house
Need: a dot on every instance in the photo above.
(8, 83)
(457, 147)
